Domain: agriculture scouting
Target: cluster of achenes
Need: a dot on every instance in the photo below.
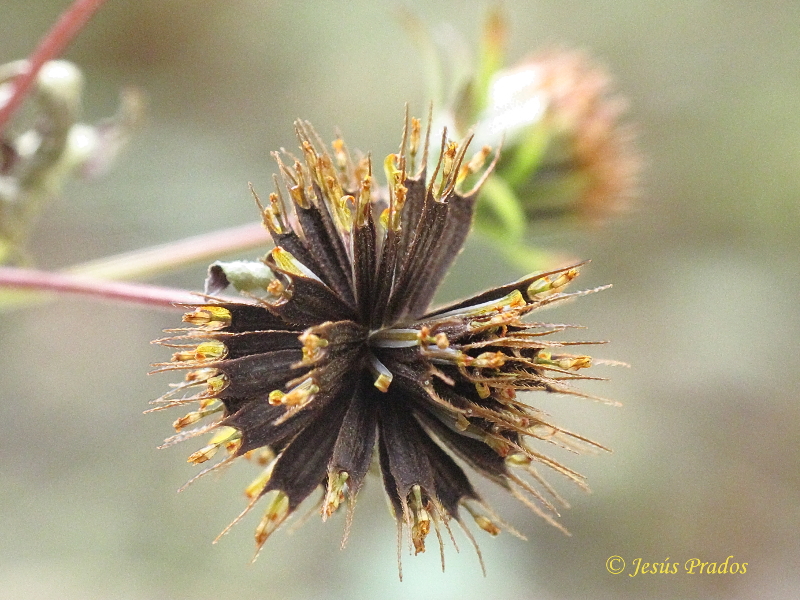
(341, 363)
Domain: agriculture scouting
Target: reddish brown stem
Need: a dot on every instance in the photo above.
(137, 293)
(51, 46)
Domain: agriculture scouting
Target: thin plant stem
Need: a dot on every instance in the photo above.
(136, 293)
(137, 264)
(51, 46)
(172, 255)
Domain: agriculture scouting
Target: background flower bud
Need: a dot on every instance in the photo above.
(566, 152)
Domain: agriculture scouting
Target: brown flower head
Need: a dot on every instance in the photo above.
(570, 148)
(341, 358)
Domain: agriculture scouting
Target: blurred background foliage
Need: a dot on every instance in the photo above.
(704, 305)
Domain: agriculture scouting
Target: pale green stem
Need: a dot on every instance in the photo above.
(505, 206)
(491, 57)
(422, 37)
(155, 260)
(530, 259)
(148, 261)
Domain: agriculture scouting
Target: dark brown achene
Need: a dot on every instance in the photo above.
(342, 359)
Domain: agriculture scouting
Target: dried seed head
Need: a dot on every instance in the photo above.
(344, 355)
